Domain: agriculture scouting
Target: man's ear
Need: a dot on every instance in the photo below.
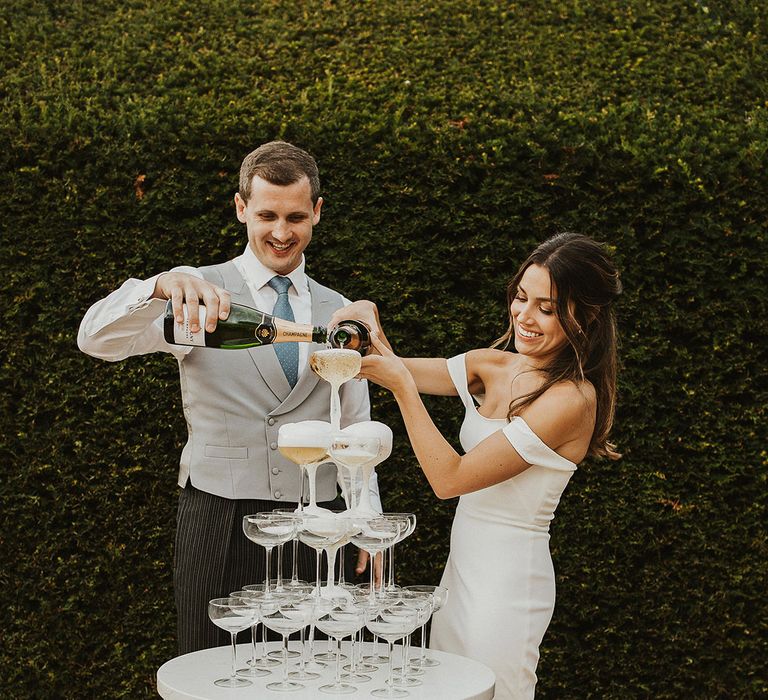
(316, 211)
(240, 205)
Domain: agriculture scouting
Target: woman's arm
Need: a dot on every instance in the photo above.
(430, 374)
(557, 418)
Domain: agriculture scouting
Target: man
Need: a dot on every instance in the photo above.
(235, 401)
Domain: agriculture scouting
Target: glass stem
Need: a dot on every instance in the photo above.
(372, 593)
(279, 586)
(266, 582)
(264, 641)
(285, 659)
(391, 583)
(423, 644)
(331, 554)
(302, 649)
(312, 641)
(356, 650)
(342, 580)
(302, 473)
(295, 568)
(338, 661)
(253, 643)
(406, 652)
(234, 654)
(391, 681)
(353, 488)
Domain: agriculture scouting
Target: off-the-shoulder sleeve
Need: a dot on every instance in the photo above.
(532, 448)
(457, 368)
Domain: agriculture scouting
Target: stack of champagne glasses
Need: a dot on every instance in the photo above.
(366, 614)
(375, 611)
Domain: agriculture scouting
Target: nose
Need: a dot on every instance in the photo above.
(281, 231)
(522, 315)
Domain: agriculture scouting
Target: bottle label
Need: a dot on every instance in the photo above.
(287, 331)
(182, 333)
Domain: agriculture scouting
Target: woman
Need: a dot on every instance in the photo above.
(530, 417)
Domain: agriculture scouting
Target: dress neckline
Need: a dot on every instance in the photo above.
(493, 420)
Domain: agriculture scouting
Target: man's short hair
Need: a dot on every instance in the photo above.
(279, 163)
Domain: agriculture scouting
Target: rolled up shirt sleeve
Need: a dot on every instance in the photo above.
(128, 322)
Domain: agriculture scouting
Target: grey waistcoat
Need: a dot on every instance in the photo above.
(235, 401)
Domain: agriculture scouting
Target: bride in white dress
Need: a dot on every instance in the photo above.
(530, 417)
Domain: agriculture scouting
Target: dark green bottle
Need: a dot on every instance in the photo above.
(248, 328)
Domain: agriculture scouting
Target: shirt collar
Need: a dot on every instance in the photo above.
(258, 275)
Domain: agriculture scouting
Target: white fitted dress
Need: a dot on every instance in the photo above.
(499, 575)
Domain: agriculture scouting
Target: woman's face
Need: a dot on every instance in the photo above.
(538, 332)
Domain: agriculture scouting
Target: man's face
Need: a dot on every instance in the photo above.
(279, 220)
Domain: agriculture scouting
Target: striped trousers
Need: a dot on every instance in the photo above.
(213, 558)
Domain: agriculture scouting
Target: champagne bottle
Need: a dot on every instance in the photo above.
(248, 328)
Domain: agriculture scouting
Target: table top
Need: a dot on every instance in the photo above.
(190, 677)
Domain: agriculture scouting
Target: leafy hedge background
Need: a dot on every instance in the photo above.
(451, 139)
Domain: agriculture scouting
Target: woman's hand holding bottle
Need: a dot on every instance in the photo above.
(365, 311)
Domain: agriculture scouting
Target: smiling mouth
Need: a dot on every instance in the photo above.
(528, 334)
(280, 247)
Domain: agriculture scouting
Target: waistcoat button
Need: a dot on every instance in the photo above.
(278, 494)
(275, 470)
(271, 421)
(272, 445)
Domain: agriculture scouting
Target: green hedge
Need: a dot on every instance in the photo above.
(450, 141)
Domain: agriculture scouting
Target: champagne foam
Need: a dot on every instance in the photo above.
(335, 366)
(305, 434)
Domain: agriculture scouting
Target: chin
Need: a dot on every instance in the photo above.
(283, 266)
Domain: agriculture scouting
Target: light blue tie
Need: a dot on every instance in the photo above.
(287, 353)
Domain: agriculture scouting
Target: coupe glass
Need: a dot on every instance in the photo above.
(375, 657)
(263, 663)
(343, 618)
(352, 453)
(336, 366)
(439, 598)
(233, 615)
(370, 429)
(299, 592)
(306, 443)
(322, 533)
(295, 582)
(391, 622)
(409, 601)
(268, 530)
(291, 614)
(254, 600)
(407, 523)
(374, 535)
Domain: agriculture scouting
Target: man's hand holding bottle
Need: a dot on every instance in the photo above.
(182, 288)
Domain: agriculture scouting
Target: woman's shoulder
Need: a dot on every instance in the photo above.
(487, 358)
(579, 391)
(484, 363)
(570, 404)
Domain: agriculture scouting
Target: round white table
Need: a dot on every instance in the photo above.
(190, 677)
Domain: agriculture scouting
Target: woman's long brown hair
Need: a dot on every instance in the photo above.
(587, 284)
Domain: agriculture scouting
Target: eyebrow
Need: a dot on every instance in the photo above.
(261, 212)
(549, 299)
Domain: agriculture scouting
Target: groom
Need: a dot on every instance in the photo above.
(235, 401)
